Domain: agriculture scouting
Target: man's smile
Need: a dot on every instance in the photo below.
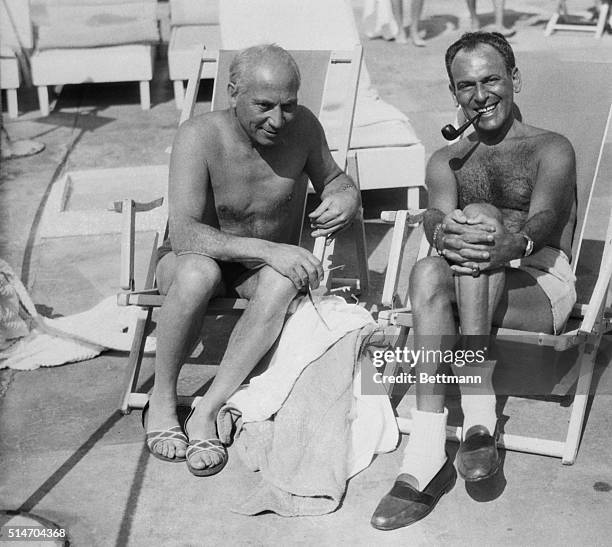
(269, 133)
(487, 110)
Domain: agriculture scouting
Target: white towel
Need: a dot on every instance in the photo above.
(50, 342)
(303, 340)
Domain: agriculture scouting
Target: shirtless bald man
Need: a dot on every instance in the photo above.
(238, 180)
(502, 211)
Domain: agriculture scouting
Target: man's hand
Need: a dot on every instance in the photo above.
(462, 240)
(474, 244)
(298, 264)
(335, 211)
(501, 251)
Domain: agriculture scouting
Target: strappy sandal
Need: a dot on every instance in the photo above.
(212, 446)
(174, 433)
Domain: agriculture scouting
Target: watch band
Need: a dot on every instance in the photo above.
(528, 244)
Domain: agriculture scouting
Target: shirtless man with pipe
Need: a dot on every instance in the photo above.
(502, 212)
(238, 180)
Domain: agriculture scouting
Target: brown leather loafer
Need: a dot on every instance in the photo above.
(478, 457)
(405, 505)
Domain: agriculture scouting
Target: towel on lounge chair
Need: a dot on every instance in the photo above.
(305, 425)
(29, 341)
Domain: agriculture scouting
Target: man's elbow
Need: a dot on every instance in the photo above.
(180, 230)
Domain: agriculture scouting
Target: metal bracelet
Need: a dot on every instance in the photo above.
(434, 237)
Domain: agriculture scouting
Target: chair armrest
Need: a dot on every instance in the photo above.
(399, 219)
(128, 209)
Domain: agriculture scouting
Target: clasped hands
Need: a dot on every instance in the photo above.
(471, 245)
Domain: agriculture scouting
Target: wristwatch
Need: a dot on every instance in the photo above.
(528, 244)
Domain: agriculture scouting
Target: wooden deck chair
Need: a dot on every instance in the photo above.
(314, 68)
(591, 317)
(562, 20)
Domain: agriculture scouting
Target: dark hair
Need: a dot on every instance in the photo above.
(247, 59)
(471, 40)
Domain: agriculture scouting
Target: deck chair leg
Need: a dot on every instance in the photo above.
(43, 99)
(131, 399)
(11, 103)
(145, 95)
(604, 10)
(179, 93)
(135, 362)
(583, 387)
(550, 27)
(413, 197)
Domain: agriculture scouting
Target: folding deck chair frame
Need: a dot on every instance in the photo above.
(148, 298)
(561, 20)
(594, 319)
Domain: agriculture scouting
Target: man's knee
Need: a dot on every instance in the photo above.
(430, 277)
(196, 279)
(474, 209)
(274, 291)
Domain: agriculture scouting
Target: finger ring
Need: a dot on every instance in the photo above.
(475, 271)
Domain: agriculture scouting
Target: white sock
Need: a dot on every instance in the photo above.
(424, 454)
(478, 400)
(478, 409)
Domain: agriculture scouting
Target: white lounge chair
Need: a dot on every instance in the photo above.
(194, 23)
(15, 37)
(100, 41)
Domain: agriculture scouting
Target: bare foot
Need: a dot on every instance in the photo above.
(201, 426)
(401, 37)
(417, 36)
(161, 416)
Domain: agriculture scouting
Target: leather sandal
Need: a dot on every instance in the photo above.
(212, 446)
(152, 438)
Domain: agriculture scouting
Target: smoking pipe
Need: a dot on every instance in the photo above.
(450, 133)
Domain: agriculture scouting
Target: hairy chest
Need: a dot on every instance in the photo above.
(503, 176)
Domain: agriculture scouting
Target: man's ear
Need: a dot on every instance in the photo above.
(517, 80)
(452, 92)
(232, 93)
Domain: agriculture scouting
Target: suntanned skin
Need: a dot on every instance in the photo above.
(505, 177)
(238, 180)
